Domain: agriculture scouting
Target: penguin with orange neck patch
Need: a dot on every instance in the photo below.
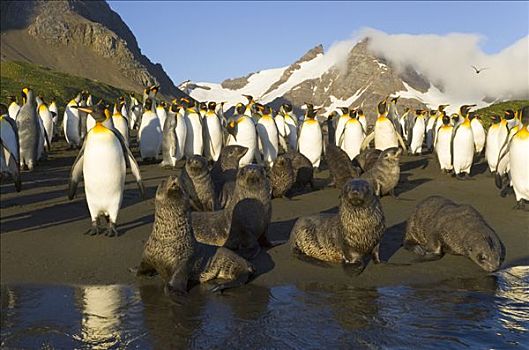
(519, 160)
(384, 133)
(103, 148)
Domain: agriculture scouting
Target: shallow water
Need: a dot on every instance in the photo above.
(487, 313)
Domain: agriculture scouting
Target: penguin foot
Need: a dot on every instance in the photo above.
(94, 230)
(111, 231)
(520, 205)
(505, 191)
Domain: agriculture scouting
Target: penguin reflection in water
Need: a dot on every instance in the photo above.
(102, 162)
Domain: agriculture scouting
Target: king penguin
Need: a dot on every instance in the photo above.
(9, 147)
(291, 124)
(362, 119)
(442, 144)
(352, 136)
(492, 149)
(462, 146)
(393, 115)
(150, 134)
(384, 133)
(71, 122)
(194, 136)
(13, 108)
(134, 112)
(479, 132)
(103, 148)
(46, 118)
(507, 128)
(29, 132)
(120, 122)
(55, 117)
(340, 125)
(310, 137)
(268, 135)
(416, 131)
(242, 132)
(519, 160)
(161, 113)
(212, 128)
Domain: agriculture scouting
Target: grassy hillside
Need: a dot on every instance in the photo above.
(499, 108)
(49, 83)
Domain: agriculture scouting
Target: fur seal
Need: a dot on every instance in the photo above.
(385, 173)
(340, 166)
(282, 177)
(439, 226)
(243, 223)
(173, 252)
(303, 170)
(347, 237)
(367, 159)
(225, 169)
(196, 181)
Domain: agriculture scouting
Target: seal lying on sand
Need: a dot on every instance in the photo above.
(244, 221)
(348, 236)
(439, 226)
(196, 181)
(174, 253)
(385, 173)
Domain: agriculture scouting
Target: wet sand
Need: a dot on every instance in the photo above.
(42, 238)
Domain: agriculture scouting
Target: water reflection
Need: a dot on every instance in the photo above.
(487, 312)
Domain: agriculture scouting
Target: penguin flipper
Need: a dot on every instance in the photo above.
(504, 150)
(367, 141)
(401, 141)
(15, 131)
(76, 173)
(454, 132)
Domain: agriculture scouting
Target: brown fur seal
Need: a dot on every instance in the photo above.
(439, 226)
(340, 166)
(244, 221)
(225, 169)
(282, 177)
(303, 170)
(174, 253)
(385, 174)
(367, 158)
(196, 180)
(348, 236)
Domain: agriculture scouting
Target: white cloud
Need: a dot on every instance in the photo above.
(447, 59)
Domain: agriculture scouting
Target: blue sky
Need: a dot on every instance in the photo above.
(212, 41)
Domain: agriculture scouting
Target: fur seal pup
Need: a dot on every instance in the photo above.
(367, 158)
(242, 224)
(282, 177)
(196, 181)
(340, 166)
(225, 169)
(439, 226)
(303, 170)
(174, 253)
(385, 174)
(347, 237)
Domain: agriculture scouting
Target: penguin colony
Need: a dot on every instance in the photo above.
(217, 152)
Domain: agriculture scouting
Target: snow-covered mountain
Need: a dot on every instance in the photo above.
(348, 75)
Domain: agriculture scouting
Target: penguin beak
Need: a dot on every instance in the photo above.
(232, 129)
(83, 109)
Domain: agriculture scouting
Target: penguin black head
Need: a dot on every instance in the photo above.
(332, 115)
(175, 107)
(442, 107)
(509, 114)
(310, 106)
(359, 111)
(446, 119)
(433, 112)
(203, 106)
(345, 110)
(148, 104)
(3, 109)
(311, 112)
(267, 110)
(99, 112)
(249, 98)
(418, 111)
(395, 99)
(472, 115)
(353, 113)
(464, 109)
(231, 128)
(287, 107)
(240, 108)
(212, 105)
(12, 99)
(495, 118)
(382, 107)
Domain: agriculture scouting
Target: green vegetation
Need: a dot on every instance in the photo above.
(499, 108)
(50, 83)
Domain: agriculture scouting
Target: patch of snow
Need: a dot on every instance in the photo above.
(337, 103)
(381, 65)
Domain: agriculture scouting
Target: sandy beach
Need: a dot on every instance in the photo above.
(42, 240)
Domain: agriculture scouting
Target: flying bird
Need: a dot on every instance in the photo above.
(479, 70)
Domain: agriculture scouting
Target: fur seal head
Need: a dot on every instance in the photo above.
(232, 154)
(197, 166)
(488, 253)
(251, 175)
(356, 193)
(170, 191)
(391, 154)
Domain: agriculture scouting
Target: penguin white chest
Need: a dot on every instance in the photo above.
(213, 144)
(442, 147)
(353, 138)
(194, 139)
(267, 131)
(519, 164)
(385, 135)
(417, 136)
(150, 135)
(247, 137)
(310, 141)
(463, 149)
(104, 174)
(491, 148)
